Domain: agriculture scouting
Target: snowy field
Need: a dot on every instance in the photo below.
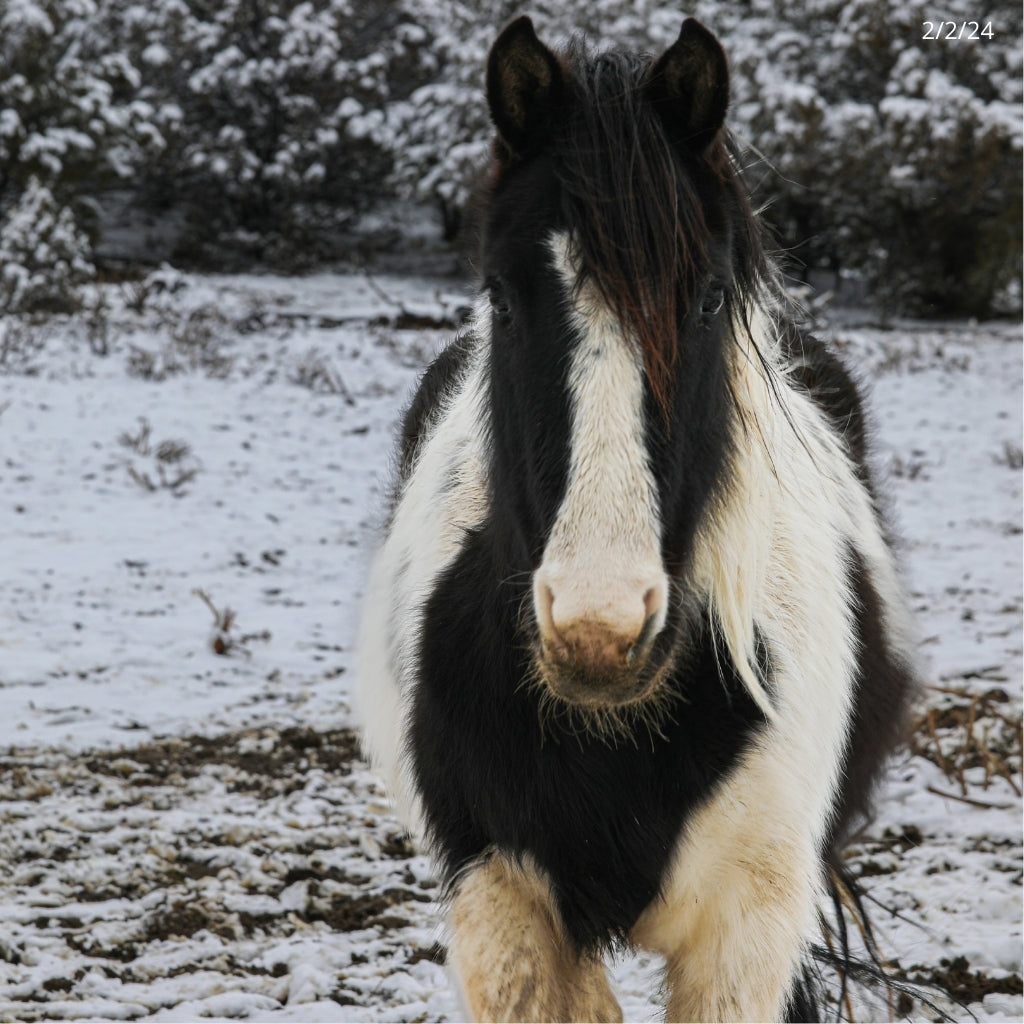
(192, 472)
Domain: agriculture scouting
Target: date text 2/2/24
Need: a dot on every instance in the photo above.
(956, 30)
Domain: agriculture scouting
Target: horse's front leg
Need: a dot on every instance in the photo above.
(733, 924)
(511, 957)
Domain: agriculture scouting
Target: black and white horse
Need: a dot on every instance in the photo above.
(634, 646)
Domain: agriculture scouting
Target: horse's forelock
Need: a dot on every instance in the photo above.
(636, 218)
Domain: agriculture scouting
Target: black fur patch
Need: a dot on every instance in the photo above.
(883, 690)
(833, 390)
(435, 383)
(531, 347)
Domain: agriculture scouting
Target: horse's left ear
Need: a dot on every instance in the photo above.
(689, 87)
(524, 87)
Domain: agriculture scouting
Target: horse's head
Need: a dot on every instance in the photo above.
(618, 249)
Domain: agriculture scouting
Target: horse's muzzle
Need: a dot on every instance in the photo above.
(592, 664)
(596, 628)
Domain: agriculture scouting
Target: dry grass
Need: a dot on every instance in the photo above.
(315, 371)
(974, 737)
(195, 345)
(175, 466)
(970, 732)
(223, 641)
(21, 341)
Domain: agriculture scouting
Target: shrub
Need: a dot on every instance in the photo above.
(68, 129)
(890, 155)
(271, 111)
(265, 128)
(44, 255)
(64, 114)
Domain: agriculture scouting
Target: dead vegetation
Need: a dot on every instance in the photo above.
(21, 341)
(223, 640)
(315, 371)
(973, 737)
(173, 466)
(196, 343)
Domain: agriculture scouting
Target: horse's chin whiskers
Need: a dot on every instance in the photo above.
(609, 722)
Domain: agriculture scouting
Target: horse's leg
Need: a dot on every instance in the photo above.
(511, 957)
(734, 917)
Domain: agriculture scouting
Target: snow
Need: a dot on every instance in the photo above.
(190, 834)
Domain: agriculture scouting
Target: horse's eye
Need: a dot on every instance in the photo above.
(714, 299)
(498, 297)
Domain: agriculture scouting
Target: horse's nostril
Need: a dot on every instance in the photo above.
(544, 603)
(654, 605)
(642, 647)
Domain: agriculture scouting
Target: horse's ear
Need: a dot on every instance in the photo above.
(689, 87)
(524, 86)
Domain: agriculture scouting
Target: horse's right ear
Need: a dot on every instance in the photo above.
(524, 86)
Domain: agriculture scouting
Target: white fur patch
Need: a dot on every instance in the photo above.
(511, 958)
(604, 552)
(445, 495)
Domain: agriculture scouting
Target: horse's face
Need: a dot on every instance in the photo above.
(607, 259)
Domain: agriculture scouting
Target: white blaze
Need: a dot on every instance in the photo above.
(603, 561)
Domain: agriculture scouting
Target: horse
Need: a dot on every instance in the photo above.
(634, 646)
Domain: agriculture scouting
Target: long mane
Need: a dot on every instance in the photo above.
(636, 215)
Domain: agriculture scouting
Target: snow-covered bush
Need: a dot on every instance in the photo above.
(889, 154)
(264, 128)
(69, 128)
(44, 255)
(878, 152)
(271, 114)
(66, 115)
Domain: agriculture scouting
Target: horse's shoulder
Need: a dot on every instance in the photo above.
(438, 380)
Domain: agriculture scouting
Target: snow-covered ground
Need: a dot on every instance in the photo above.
(191, 477)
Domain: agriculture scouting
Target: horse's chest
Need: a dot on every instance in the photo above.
(601, 817)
